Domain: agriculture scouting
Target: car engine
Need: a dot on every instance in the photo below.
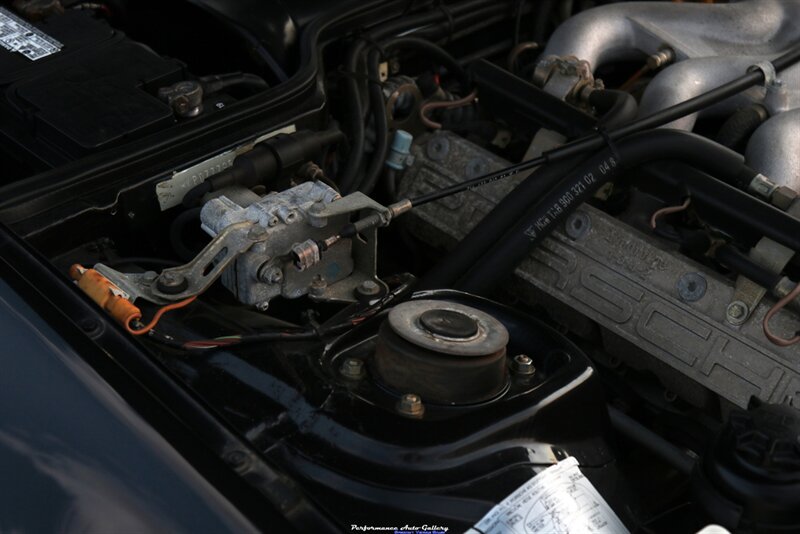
(495, 267)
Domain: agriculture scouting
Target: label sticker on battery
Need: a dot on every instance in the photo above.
(558, 500)
(16, 35)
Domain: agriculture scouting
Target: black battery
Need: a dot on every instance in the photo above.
(97, 91)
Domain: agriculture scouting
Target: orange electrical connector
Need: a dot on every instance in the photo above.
(101, 290)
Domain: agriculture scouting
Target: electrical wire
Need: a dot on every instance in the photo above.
(597, 141)
(776, 339)
(349, 179)
(157, 317)
(405, 284)
(628, 85)
(669, 211)
(514, 53)
(444, 104)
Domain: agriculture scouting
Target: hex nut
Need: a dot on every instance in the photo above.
(522, 364)
(411, 405)
(172, 283)
(368, 289)
(318, 286)
(352, 368)
(783, 197)
(270, 275)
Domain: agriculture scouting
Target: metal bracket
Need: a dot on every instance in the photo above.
(770, 74)
(353, 202)
(770, 255)
(194, 277)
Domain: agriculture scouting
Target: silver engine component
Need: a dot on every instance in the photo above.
(271, 246)
(657, 309)
(711, 44)
(288, 262)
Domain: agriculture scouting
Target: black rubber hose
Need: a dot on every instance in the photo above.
(595, 142)
(381, 124)
(348, 180)
(508, 211)
(543, 18)
(217, 82)
(391, 184)
(736, 131)
(377, 104)
(433, 52)
(581, 184)
(266, 160)
(464, 25)
(640, 434)
(739, 263)
(730, 209)
(195, 195)
(355, 124)
(177, 230)
(616, 107)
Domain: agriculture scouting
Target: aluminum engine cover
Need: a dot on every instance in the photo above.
(621, 279)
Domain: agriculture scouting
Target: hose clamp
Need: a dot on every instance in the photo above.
(768, 69)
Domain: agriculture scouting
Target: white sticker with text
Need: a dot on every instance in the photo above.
(557, 500)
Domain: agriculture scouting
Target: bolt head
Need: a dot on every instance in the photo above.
(270, 275)
(411, 405)
(172, 282)
(737, 312)
(522, 364)
(171, 278)
(318, 286)
(368, 288)
(352, 368)
(257, 232)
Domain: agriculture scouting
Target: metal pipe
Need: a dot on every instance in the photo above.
(774, 149)
(636, 29)
(712, 44)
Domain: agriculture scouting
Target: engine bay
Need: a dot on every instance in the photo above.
(414, 255)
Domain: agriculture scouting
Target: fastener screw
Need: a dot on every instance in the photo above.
(171, 279)
(352, 368)
(411, 405)
(737, 312)
(318, 285)
(271, 275)
(368, 288)
(522, 364)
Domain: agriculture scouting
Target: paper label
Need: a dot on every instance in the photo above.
(557, 500)
(17, 35)
(170, 192)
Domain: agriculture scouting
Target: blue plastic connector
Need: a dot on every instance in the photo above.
(400, 151)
